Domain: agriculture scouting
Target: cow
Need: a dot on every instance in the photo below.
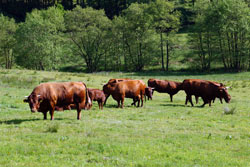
(97, 95)
(114, 81)
(219, 84)
(148, 90)
(59, 95)
(165, 86)
(207, 90)
(126, 89)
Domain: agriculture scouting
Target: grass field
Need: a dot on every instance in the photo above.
(159, 134)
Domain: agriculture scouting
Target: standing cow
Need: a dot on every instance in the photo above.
(148, 90)
(97, 95)
(127, 89)
(48, 96)
(207, 90)
(165, 86)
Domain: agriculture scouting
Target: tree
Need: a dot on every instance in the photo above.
(137, 36)
(39, 39)
(165, 21)
(7, 41)
(222, 32)
(88, 30)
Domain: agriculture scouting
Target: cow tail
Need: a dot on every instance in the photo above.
(87, 95)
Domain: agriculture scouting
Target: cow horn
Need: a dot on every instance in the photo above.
(152, 88)
(228, 87)
(38, 95)
(26, 96)
(103, 83)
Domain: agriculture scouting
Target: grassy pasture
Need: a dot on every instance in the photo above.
(159, 134)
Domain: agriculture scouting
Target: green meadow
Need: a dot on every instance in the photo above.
(160, 133)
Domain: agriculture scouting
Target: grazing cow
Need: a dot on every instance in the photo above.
(165, 86)
(50, 96)
(207, 90)
(219, 84)
(127, 89)
(97, 95)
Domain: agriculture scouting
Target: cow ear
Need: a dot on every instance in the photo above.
(25, 100)
(221, 84)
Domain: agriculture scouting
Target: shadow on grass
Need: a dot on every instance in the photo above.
(181, 73)
(115, 106)
(19, 121)
(180, 105)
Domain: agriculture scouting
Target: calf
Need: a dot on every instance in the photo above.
(97, 95)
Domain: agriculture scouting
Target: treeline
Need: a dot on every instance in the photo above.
(133, 37)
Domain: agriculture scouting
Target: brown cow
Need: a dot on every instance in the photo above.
(114, 81)
(165, 86)
(148, 90)
(46, 96)
(97, 95)
(219, 84)
(127, 89)
(207, 90)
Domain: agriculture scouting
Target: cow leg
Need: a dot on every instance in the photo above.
(78, 108)
(134, 102)
(51, 112)
(221, 100)
(209, 101)
(190, 100)
(118, 102)
(45, 115)
(106, 99)
(139, 100)
(186, 100)
(205, 101)
(122, 102)
(142, 101)
(171, 98)
(99, 104)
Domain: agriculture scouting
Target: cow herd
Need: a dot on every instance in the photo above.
(48, 97)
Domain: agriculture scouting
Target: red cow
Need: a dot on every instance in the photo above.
(48, 96)
(97, 95)
(115, 81)
(148, 90)
(207, 90)
(165, 86)
(127, 89)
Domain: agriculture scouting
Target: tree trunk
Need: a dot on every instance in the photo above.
(167, 48)
(162, 56)
(222, 52)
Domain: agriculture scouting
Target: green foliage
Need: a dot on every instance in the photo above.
(39, 40)
(88, 31)
(7, 41)
(222, 32)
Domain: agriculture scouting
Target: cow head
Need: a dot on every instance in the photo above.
(88, 104)
(108, 88)
(149, 92)
(224, 94)
(34, 102)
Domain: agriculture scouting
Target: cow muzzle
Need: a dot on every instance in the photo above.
(33, 110)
